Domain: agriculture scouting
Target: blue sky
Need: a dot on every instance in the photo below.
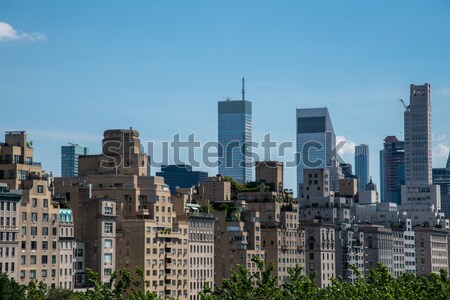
(70, 70)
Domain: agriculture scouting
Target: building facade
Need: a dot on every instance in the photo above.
(235, 137)
(362, 165)
(316, 142)
(417, 120)
(392, 169)
(69, 159)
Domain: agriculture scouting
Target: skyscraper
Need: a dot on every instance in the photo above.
(235, 137)
(316, 142)
(69, 159)
(418, 136)
(362, 165)
(419, 198)
(392, 169)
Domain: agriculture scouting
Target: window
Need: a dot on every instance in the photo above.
(34, 217)
(45, 203)
(33, 230)
(53, 260)
(108, 210)
(79, 253)
(54, 231)
(44, 245)
(23, 175)
(23, 260)
(24, 216)
(34, 202)
(33, 245)
(44, 259)
(24, 230)
(33, 259)
(108, 243)
(45, 217)
(44, 273)
(40, 189)
(45, 231)
(108, 258)
(32, 274)
(108, 227)
(108, 272)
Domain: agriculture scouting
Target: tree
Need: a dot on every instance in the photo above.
(10, 289)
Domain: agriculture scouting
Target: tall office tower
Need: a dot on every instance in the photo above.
(69, 159)
(419, 197)
(235, 137)
(316, 142)
(362, 165)
(392, 169)
(418, 136)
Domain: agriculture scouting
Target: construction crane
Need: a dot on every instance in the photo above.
(403, 103)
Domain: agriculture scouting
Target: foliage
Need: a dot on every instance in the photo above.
(123, 285)
(377, 284)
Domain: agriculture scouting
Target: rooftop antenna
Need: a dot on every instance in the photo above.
(243, 88)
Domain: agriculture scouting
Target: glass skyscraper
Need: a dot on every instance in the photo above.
(235, 137)
(181, 176)
(69, 159)
(362, 165)
(316, 142)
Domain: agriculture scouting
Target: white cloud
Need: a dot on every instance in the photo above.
(348, 148)
(8, 33)
(440, 155)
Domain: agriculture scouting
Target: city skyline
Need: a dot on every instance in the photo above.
(45, 67)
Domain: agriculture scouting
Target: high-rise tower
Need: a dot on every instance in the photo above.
(418, 136)
(362, 165)
(235, 137)
(316, 142)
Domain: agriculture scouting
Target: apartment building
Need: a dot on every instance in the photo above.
(237, 239)
(320, 250)
(66, 246)
(431, 250)
(378, 241)
(37, 217)
(9, 231)
(134, 213)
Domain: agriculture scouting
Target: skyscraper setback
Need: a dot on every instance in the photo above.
(316, 143)
(235, 137)
(362, 165)
(418, 136)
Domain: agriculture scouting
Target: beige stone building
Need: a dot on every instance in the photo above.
(16, 160)
(237, 240)
(135, 214)
(38, 215)
(9, 231)
(201, 242)
(319, 250)
(431, 250)
(270, 173)
(215, 189)
(378, 241)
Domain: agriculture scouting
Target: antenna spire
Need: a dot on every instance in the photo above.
(243, 88)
